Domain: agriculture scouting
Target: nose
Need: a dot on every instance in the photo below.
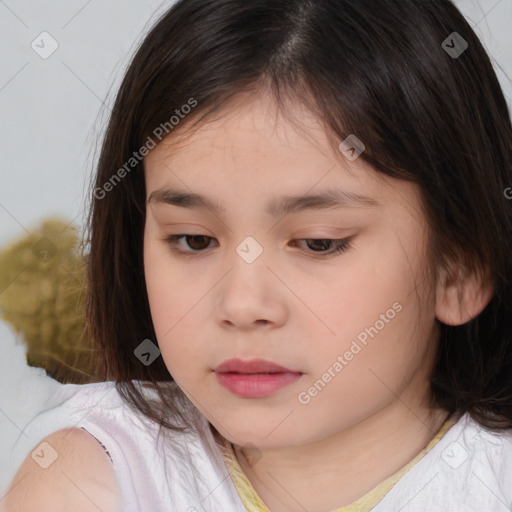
(250, 297)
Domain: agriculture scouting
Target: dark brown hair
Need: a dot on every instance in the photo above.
(375, 68)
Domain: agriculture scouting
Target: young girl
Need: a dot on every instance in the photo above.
(299, 271)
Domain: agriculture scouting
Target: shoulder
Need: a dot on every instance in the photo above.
(483, 457)
(67, 470)
(495, 448)
(481, 439)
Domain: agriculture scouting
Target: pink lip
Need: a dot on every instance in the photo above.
(251, 366)
(256, 378)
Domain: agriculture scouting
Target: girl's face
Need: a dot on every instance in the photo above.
(355, 328)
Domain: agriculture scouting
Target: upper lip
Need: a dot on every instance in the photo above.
(251, 366)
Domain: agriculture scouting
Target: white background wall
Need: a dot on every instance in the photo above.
(50, 108)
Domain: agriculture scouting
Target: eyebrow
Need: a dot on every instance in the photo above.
(276, 207)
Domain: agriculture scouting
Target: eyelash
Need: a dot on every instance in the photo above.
(342, 246)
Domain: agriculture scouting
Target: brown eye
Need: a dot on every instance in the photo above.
(319, 245)
(195, 242)
(324, 244)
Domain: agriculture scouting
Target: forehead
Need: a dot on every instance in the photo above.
(249, 144)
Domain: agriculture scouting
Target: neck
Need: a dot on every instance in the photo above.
(308, 477)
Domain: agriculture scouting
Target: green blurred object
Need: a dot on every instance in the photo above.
(42, 296)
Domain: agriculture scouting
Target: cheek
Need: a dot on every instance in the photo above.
(355, 297)
(174, 332)
(379, 310)
(172, 299)
(178, 305)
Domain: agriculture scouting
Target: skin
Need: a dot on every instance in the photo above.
(296, 308)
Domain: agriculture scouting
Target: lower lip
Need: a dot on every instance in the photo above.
(256, 385)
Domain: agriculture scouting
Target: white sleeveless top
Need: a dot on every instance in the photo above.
(468, 469)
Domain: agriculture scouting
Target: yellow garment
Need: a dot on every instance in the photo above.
(253, 503)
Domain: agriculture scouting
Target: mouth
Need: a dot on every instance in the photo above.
(256, 378)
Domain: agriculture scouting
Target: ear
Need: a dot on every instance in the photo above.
(461, 296)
